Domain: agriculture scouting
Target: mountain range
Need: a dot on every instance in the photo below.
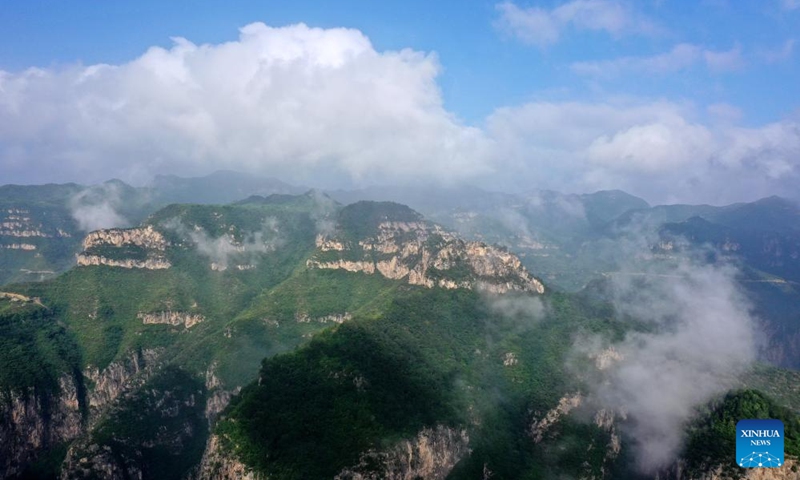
(229, 326)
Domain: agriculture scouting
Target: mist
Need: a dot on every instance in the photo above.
(96, 207)
(225, 249)
(698, 334)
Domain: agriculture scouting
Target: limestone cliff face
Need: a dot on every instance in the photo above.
(338, 318)
(169, 317)
(118, 377)
(145, 237)
(30, 424)
(218, 465)
(539, 427)
(156, 264)
(98, 244)
(431, 455)
(20, 223)
(424, 254)
(19, 246)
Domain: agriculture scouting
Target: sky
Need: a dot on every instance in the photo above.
(674, 101)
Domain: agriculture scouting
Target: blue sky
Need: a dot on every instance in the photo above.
(712, 71)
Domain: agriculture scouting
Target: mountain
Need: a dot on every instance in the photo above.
(162, 323)
(219, 187)
(41, 226)
(294, 336)
(386, 340)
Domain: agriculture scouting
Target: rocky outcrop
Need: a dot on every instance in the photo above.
(218, 464)
(218, 398)
(424, 254)
(18, 223)
(145, 237)
(19, 246)
(98, 462)
(221, 267)
(604, 359)
(431, 455)
(510, 359)
(332, 318)
(119, 377)
(154, 264)
(30, 424)
(566, 404)
(16, 297)
(168, 317)
(97, 244)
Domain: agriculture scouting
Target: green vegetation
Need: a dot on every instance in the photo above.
(712, 440)
(160, 430)
(431, 357)
(333, 363)
(360, 220)
(35, 350)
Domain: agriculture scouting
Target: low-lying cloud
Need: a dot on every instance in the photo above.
(97, 207)
(699, 336)
(230, 251)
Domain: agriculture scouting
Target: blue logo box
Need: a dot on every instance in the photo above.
(759, 443)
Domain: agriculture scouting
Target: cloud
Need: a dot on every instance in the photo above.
(790, 4)
(682, 57)
(97, 207)
(234, 249)
(656, 149)
(781, 54)
(725, 112)
(725, 61)
(289, 101)
(323, 107)
(700, 335)
(543, 27)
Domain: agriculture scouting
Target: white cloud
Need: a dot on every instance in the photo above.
(724, 112)
(277, 100)
(790, 4)
(542, 27)
(682, 57)
(725, 61)
(654, 149)
(323, 105)
(704, 338)
(781, 54)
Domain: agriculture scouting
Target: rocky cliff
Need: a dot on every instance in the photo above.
(119, 377)
(22, 223)
(424, 254)
(169, 317)
(31, 423)
(219, 465)
(431, 455)
(142, 247)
